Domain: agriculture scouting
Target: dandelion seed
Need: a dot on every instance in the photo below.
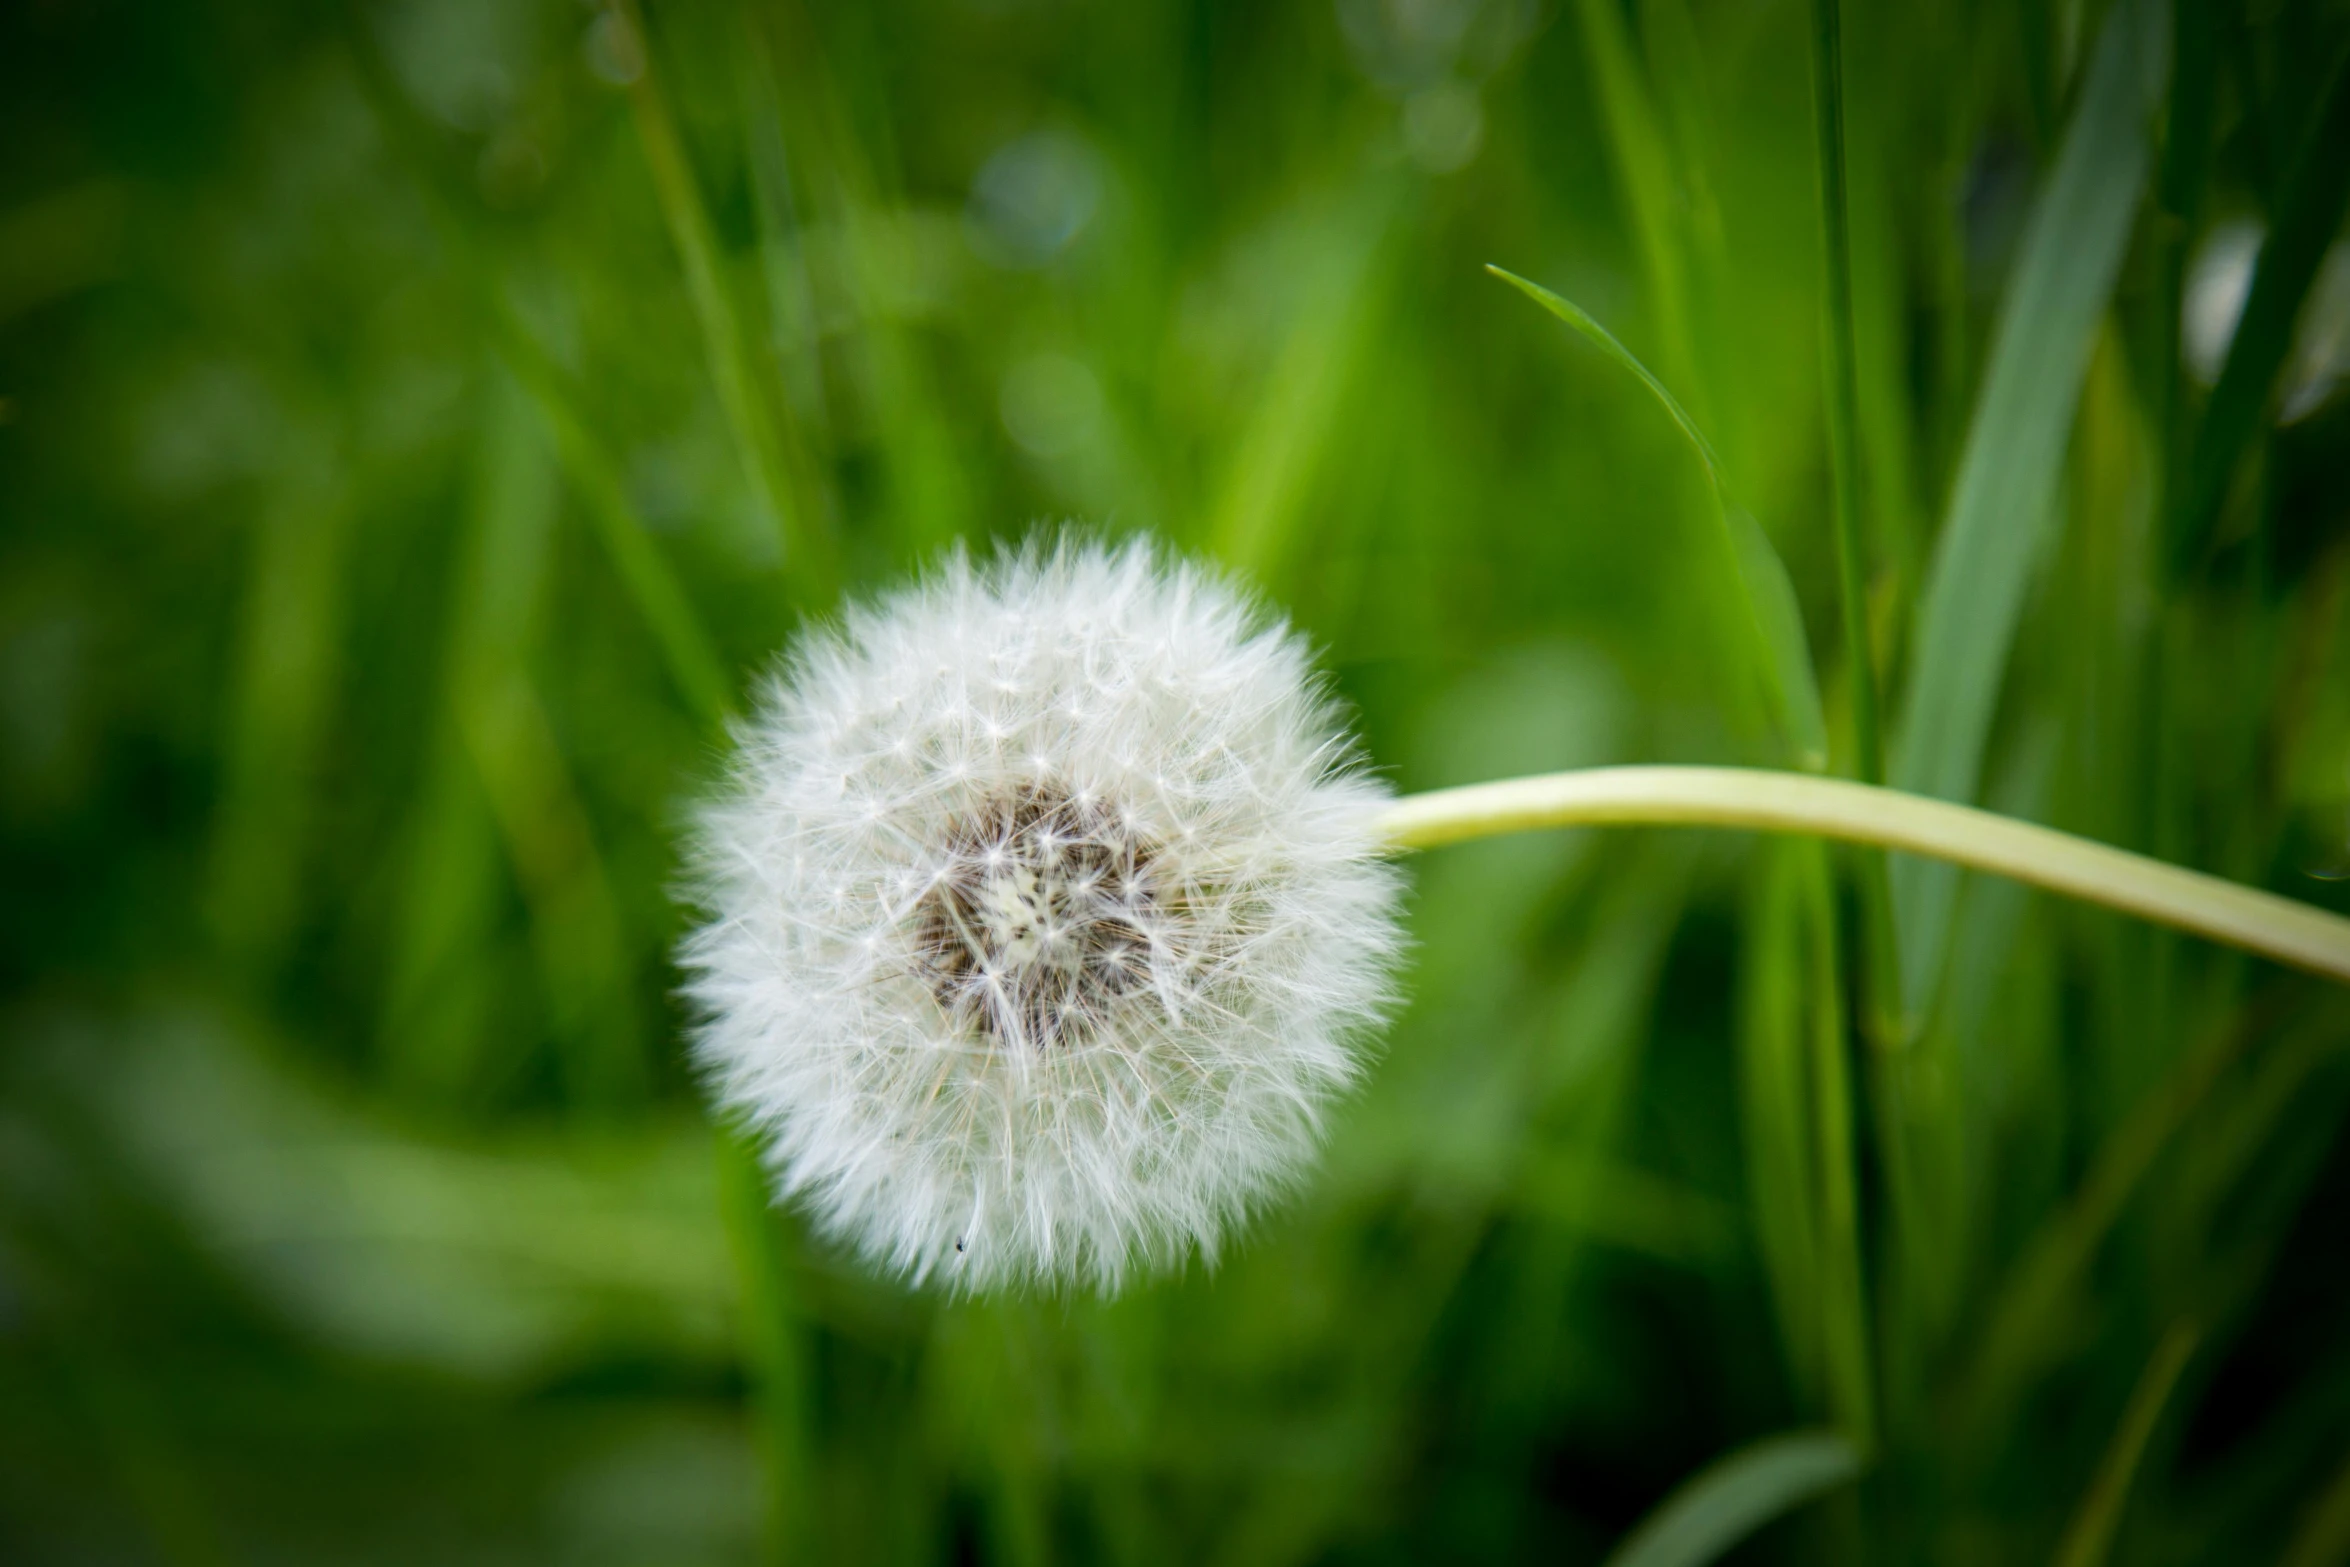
(1045, 977)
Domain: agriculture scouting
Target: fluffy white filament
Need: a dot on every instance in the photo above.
(1045, 913)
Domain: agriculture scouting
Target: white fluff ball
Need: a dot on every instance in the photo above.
(1045, 915)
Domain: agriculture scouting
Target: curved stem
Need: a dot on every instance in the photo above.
(2279, 928)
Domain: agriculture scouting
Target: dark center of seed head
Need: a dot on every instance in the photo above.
(1036, 928)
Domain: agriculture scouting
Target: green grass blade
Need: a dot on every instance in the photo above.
(281, 710)
(1732, 1497)
(1644, 169)
(687, 649)
(1679, 73)
(2178, 186)
(59, 244)
(1263, 494)
(2003, 505)
(774, 1346)
(2308, 215)
(2031, 1314)
(575, 922)
(855, 254)
(163, 1491)
(1839, 340)
(1778, 621)
(1797, 1119)
(1844, 1291)
(2323, 1537)
(771, 457)
(435, 1028)
(1605, 341)
(1775, 1111)
(1843, 374)
(2090, 1538)
(1771, 605)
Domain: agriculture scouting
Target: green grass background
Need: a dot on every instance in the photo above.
(420, 422)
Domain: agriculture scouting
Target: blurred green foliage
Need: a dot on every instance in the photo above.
(420, 421)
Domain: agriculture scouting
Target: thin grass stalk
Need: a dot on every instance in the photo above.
(2090, 1538)
(770, 456)
(771, 1348)
(2027, 1314)
(2308, 213)
(2322, 1538)
(2280, 929)
(1775, 1102)
(1790, 687)
(1880, 1002)
(1644, 171)
(1843, 399)
(2178, 196)
(1845, 1325)
(688, 651)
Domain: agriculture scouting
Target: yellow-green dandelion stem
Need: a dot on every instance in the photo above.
(2279, 928)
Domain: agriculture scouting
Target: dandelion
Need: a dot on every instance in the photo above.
(1049, 908)
(1046, 913)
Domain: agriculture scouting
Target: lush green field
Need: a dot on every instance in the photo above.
(420, 423)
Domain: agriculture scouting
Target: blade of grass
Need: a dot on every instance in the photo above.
(1775, 1107)
(773, 1346)
(1735, 1495)
(2043, 91)
(984, 1372)
(161, 1489)
(280, 708)
(777, 468)
(1610, 1203)
(1262, 499)
(2186, 159)
(1797, 1103)
(2263, 137)
(687, 650)
(2090, 1538)
(2004, 501)
(1888, 337)
(58, 244)
(432, 1032)
(1605, 341)
(1644, 169)
(1880, 949)
(2027, 1319)
(2241, 1145)
(1580, 1078)
(1843, 375)
(1774, 615)
(796, 87)
(783, 240)
(1844, 1292)
(575, 925)
(1676, 65)
(2323, 1538)
(1939, 1219)
(2308, 214)
(2146, 792)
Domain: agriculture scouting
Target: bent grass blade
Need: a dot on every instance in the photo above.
(1772, 609)
(1732, 1497)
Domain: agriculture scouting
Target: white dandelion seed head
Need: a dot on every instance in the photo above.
(1045, 916)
